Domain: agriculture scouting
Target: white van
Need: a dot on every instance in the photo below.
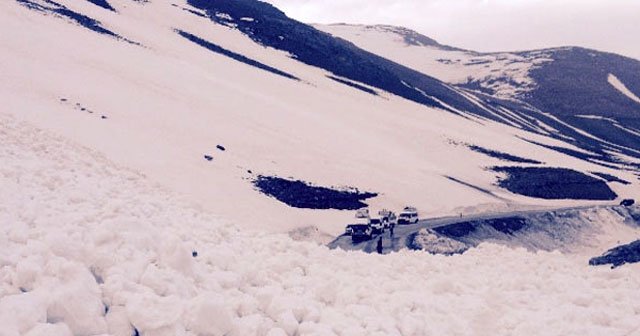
(408, 215)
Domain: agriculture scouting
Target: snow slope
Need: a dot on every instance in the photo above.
(88, 247)
(455, 66)
(159, 106)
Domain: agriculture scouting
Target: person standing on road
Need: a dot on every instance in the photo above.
(379, 246)
(391, 230)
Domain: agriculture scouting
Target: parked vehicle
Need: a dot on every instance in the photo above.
(361, 232)
(389, 218)
(377, 224)
(409, 215)
(627, 202)
(348, 230)
(362, 213)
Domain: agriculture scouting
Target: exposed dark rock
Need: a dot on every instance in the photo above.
(235, 56)
(619, 256)
(502, 156)
(103, 3)
(52, 7)
(353, 85)
(554, 183)
(299, 194)
(610, 178)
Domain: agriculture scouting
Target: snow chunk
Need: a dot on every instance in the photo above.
(148, 312)
(208, 314)
(429, 241)
(118, 321)
(22, 312)
(48, 329)
(75, 298)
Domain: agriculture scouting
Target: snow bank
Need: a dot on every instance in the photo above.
(88, 248)
(428, 241)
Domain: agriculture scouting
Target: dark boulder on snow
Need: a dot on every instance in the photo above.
(619, 256)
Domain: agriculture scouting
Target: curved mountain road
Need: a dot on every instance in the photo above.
(402, 234)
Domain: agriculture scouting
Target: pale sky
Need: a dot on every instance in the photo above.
(491, 25)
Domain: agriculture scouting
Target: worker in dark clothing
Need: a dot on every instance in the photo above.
(391, 230)
(379, 246)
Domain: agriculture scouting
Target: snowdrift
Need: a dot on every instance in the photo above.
(91, 248)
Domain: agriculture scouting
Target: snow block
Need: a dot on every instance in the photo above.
(48, 329)
(208, 315)
(148, 311)
(21, 312)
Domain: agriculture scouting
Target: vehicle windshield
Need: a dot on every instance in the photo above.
(405, 215)
(360, 227)
(375, 221)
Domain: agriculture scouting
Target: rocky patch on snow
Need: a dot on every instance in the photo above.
(235, 56)
(299, 194)
(501, 155)
(554, 183)
(618, 256)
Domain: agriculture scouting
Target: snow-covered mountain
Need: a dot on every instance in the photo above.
(589, 97)
(157, 87)
(160, 159)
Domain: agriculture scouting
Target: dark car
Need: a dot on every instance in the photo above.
(627, 202)
(377, 224)
(361, 232)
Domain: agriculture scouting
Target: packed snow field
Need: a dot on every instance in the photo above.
(91, 248)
